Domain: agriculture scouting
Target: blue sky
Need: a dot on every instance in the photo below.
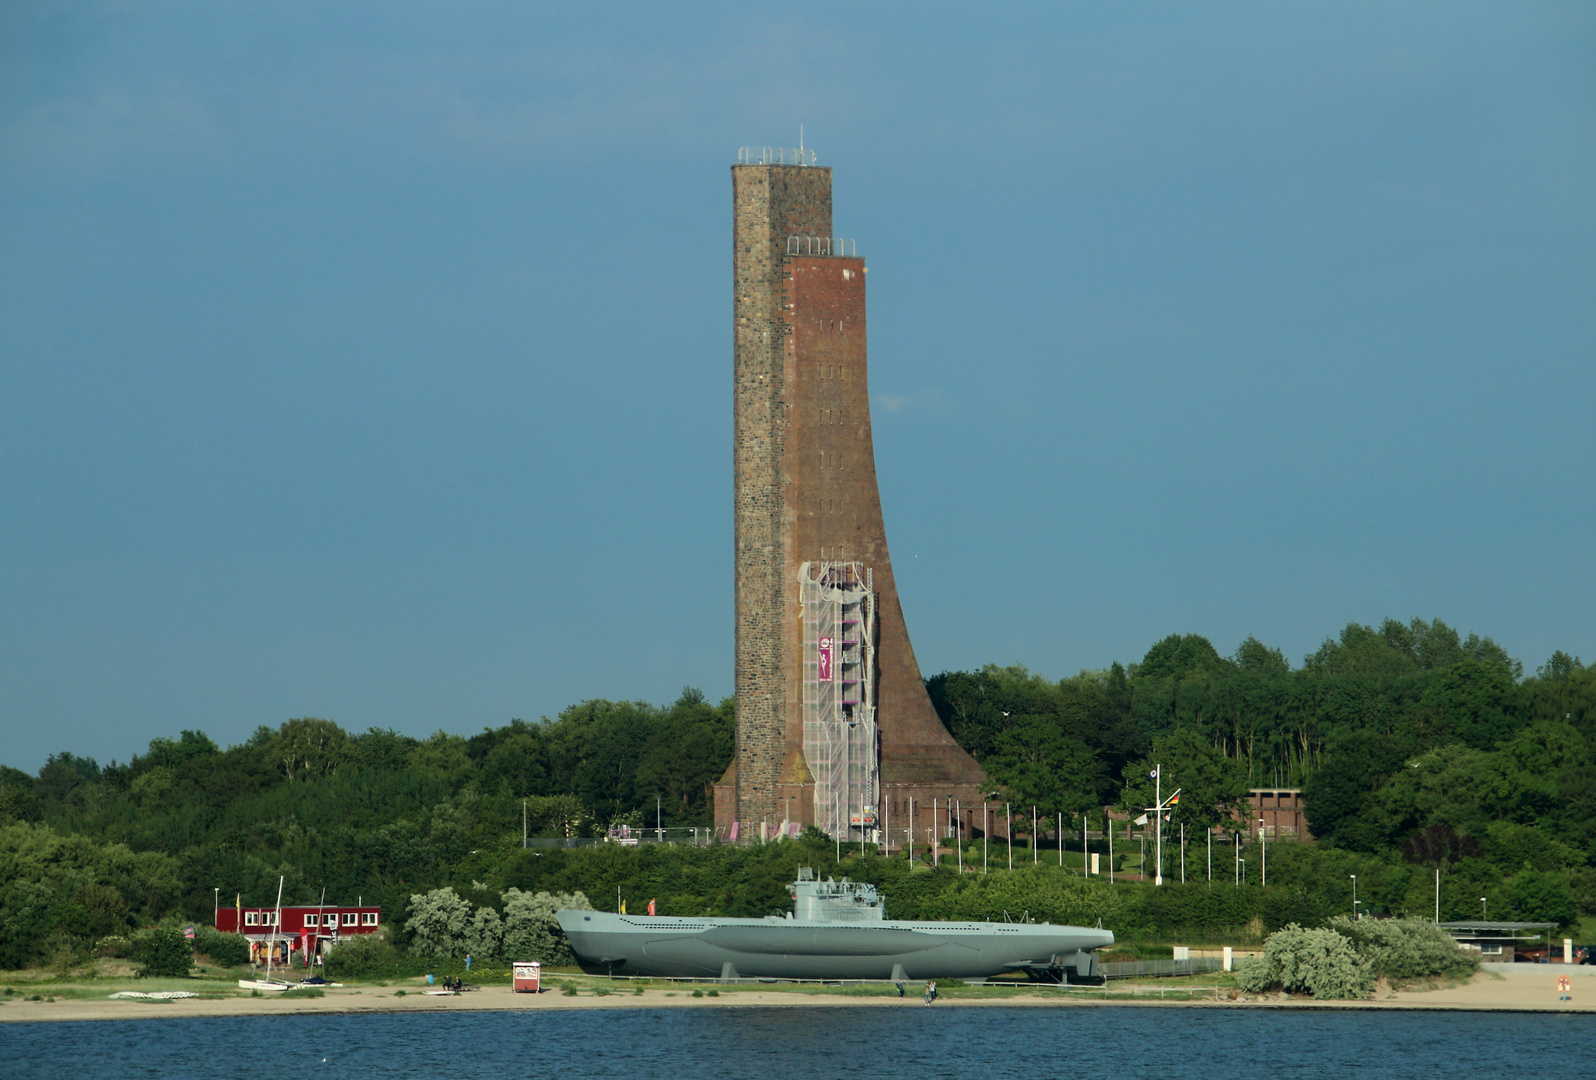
(372, 361)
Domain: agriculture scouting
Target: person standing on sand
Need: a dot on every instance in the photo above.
(900, 987)
(468, 963)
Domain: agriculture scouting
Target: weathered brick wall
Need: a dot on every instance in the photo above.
(770, 203)
(805, 489)
(834, 508)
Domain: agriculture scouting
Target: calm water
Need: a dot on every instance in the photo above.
(915, 1043)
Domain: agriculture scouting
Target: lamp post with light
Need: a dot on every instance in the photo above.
(1354, 878)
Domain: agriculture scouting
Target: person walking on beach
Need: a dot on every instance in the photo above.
(930, 992)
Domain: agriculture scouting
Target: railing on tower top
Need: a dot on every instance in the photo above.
(822, 245)
(775, 155)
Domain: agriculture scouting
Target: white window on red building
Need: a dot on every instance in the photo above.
(349, 918)
(312, 919)
(368, 918)
(251, 918)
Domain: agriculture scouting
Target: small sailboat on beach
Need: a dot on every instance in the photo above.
(269, 984)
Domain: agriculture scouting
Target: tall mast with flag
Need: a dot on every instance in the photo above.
(1160, 814)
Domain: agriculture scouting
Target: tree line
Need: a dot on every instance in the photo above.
(1419, 749)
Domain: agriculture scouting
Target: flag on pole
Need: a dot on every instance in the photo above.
(1173, 799)
(1153, 775)
(1142, 820)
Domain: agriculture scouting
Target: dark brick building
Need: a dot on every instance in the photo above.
(834, 726)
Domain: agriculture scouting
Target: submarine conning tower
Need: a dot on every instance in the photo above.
(835, 901)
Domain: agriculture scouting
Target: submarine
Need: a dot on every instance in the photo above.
(837, 930)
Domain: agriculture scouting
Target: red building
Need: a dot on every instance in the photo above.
(1279, 813)
(305, 931)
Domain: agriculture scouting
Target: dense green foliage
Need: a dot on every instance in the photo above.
(1419, 750)
(165, 953)
(1343, 959)
(228, 950)
(1299, 961)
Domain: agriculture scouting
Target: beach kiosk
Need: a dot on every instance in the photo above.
(527, 974)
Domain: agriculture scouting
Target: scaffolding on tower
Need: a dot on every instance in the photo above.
(840, 743)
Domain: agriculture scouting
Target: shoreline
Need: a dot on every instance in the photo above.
(1534, 991)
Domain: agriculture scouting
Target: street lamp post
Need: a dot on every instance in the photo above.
(1263, 854)
(1354, 878)
(1484, 907)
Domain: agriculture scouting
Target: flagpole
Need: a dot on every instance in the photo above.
(1158, 824)
(1108, 827)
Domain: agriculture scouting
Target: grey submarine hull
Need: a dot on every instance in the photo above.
(788, 948)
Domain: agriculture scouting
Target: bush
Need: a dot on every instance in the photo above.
(531, 931)
(1401, 950)
(228, 950)
(165, 952)
(438, 924)
(1318, 962)
(116, 946)
(360, 957)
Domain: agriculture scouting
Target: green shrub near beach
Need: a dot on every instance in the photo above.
(228, 950)
(165, 952)
(1406, 950)
(1317, 962)
(1343, 959)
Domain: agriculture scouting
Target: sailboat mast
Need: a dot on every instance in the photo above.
(277, 928)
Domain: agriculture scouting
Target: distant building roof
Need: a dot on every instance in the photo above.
(1498, 928)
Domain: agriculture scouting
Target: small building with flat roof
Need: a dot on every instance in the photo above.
(1496, 941)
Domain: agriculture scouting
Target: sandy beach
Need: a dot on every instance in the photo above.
(1532, 990)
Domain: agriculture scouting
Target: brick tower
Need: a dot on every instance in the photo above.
(834, 726)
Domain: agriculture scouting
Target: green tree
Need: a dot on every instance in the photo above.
(165, 953)
(1180, 655)
(1338, 794)
(1254, 656)
(439, 923)
(531, 931)
(1213, 788)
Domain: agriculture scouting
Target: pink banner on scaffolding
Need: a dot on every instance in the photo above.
(825, 659)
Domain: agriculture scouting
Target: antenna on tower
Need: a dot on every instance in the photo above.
(800, 144)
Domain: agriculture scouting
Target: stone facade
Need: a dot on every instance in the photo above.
(805, 489)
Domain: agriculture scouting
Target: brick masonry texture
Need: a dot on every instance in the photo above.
(805, 489)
